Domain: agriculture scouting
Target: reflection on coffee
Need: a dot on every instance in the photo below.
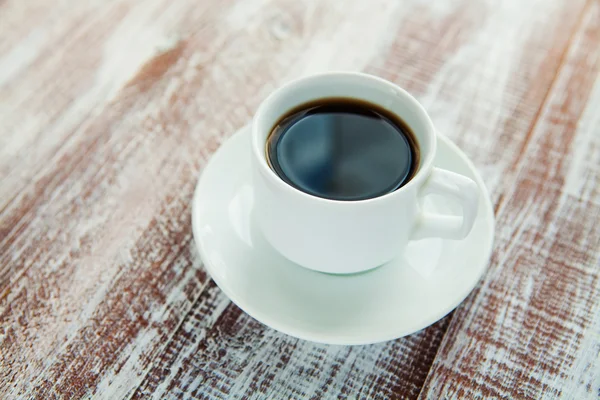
(342, 149)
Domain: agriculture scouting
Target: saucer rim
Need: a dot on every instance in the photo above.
(364, 339)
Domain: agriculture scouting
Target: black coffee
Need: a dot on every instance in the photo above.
(342, 149)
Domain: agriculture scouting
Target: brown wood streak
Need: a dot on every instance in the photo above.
(101, 292)
(547, 262)
(48, 87)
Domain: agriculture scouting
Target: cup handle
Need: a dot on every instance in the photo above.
(461, 189)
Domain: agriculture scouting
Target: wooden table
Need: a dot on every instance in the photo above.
(110, 110)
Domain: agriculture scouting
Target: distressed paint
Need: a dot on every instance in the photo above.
(108, 113)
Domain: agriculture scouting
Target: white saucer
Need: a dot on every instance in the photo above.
(397, 299)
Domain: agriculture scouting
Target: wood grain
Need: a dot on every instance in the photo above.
(233, 354)
(108, 113)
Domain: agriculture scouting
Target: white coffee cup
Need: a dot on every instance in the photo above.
(341, 237)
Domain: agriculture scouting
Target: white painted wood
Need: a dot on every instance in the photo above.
(108, 112)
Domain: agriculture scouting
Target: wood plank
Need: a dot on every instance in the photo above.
(533, 329)
(97, 274)
(53, 76)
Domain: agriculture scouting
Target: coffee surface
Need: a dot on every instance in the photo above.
(342, 149)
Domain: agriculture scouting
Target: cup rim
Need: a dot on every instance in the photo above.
(267, 172)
